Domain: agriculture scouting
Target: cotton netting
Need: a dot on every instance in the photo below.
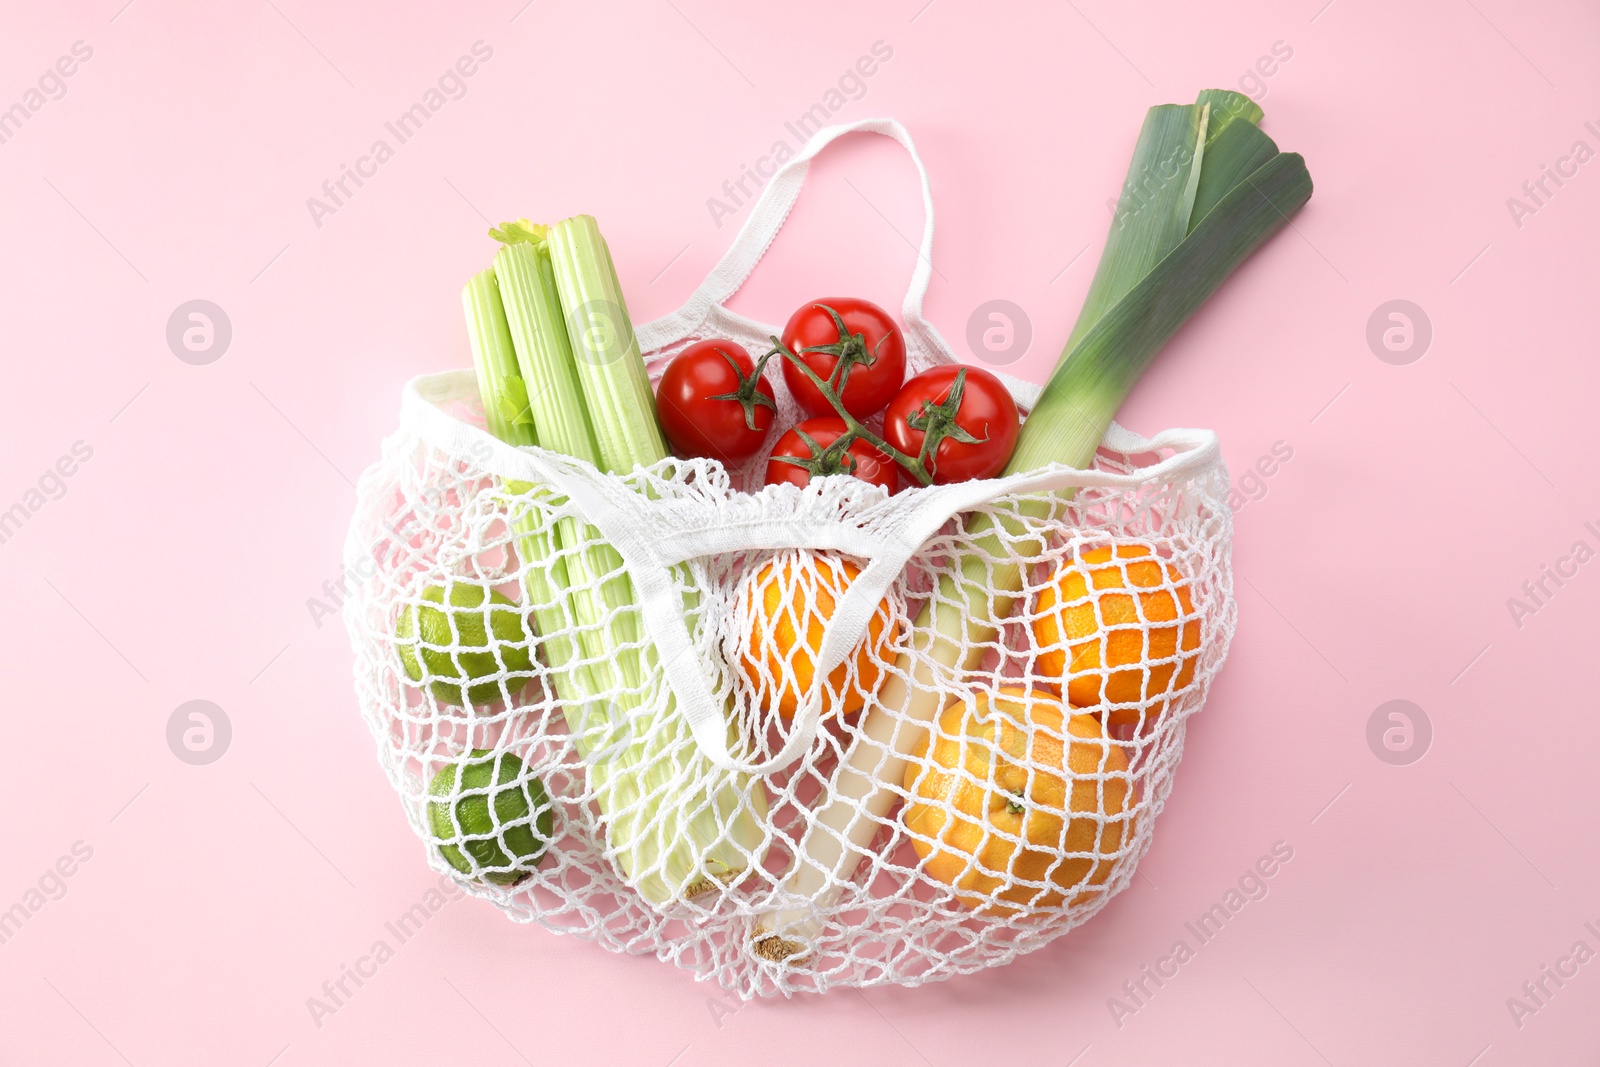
(1023, 815)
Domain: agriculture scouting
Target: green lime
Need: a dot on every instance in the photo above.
(453, 647)
(501, 820)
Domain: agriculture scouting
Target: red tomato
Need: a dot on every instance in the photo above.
(711, 403)
(860, 459)
(867, 338)
(982, 425)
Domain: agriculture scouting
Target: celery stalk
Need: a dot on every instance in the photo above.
(675, 822)
(504, 394)
(727, 830)
(556, 408)
(613, 374)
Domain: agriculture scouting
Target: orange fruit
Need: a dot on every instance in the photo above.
(789, 602)
(1015, 802)
(1106, 607)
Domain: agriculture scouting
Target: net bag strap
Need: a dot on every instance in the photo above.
(767, 218)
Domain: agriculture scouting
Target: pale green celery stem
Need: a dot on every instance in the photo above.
(650, 826)
(617, 392)
(598, 590)
(601, 595)
(610, 371)
(556, 399)
(546, 578)
(544, 353)
(555, 402)
(544, 572)
(609, 363)
(1098, 372)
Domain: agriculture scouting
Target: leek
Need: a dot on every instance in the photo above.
(1173, 241)
(1224, 106)
(1231, 156)
(676, 825)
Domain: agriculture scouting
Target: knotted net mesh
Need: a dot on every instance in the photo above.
(522, 715)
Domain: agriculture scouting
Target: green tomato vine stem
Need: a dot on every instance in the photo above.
(936, 421)
(854, 430)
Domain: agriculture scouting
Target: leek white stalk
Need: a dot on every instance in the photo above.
(1160, 264)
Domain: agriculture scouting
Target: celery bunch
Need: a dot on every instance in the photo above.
(558, 367)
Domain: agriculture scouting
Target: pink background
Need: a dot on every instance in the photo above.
(179, 561)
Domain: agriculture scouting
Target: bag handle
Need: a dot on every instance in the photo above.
(767, 217)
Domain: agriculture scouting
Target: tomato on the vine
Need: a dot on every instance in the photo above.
(856, 333)
(975, 432)
(809, 450)
(713, 402)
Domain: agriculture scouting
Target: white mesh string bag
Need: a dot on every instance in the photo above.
(655, 695)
